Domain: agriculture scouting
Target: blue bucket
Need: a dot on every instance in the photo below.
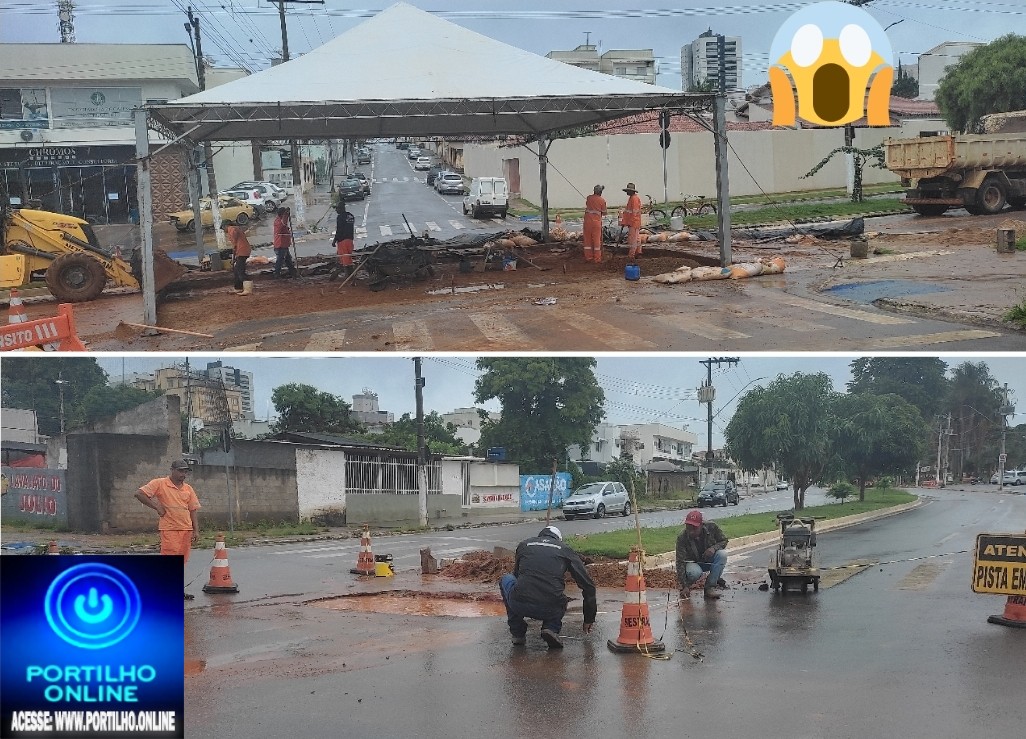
(632, 272)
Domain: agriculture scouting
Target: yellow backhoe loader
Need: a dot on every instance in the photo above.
(65, 253)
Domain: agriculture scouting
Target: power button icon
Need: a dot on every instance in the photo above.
(92, 605)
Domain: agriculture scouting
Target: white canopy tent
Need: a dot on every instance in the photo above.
(406, 72)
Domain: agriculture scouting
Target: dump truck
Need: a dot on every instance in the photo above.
(64, 252)
(979, 172)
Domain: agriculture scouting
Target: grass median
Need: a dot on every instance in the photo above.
(664, 539)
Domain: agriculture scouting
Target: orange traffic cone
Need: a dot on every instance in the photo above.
(52, 548)
(635, 627)
(1014, 615)
(220, 573)
(365, 560)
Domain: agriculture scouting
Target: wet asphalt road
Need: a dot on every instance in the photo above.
(901, 648)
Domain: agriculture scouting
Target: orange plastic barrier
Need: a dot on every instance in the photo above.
(58, 330)
(635, 626)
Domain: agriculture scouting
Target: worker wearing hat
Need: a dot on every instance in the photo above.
(535, 589)
(631, 218)
(594, 210)
(176, 503)
(701, 548)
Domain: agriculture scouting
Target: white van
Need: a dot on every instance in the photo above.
(488, 196)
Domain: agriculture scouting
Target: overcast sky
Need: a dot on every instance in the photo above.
(638, 388)
(246, 32)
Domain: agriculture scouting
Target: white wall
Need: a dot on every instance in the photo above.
(774, 161)
(320, 480)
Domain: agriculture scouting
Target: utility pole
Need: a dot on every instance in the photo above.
(297, 174)
(193, 29)
(422, 486)
(60, 382)
(1006, 410)
(706, 394)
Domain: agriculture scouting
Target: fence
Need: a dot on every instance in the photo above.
(368, 474)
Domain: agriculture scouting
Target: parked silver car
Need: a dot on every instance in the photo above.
(596, 499)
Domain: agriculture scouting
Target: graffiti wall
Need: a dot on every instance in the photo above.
(33, 495)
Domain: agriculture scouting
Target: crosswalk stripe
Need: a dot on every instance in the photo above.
(360, 233)
(457, 224)
(432, 226)
(692, 325)
(385, 230)
(834, 310)
(607, 333)
(798, 325)
(412, 335)
(326, 341)
(244, 348)
(498, 330)
(890, 342)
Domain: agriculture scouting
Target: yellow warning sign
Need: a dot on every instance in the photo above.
(999, 564)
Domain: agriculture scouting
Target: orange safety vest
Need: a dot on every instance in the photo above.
(631, 217)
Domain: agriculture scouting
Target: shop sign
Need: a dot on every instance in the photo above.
(89, 107)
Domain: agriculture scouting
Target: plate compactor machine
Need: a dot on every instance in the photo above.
(794, 562)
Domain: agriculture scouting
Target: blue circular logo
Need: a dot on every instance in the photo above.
(92, 605)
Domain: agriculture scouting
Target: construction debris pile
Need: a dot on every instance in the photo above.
(755, 268)
(484, 567)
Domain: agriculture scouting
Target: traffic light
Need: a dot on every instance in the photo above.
(664, 125)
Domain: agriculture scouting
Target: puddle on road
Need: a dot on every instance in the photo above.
(417, 603)
(867, 292)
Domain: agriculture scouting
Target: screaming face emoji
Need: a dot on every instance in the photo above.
(833, 53)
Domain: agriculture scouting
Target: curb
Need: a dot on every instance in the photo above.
(927, 311)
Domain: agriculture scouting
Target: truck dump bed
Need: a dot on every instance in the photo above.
(932, 156)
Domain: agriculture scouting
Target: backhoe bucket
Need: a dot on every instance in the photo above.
(165, 269)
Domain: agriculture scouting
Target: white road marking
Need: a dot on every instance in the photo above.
(799, 325)
(498, 329)
(835, 310)
(385, 230)
(432, 226)
(692, 325)
(607, 333)
(326, 341)
(412, 335)
(457, 224)
(892, 342)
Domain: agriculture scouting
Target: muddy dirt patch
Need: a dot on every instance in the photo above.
(417, 603)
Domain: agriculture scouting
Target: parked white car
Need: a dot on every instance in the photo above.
(423, 163)
(488, 196)
(450, 183)
(1014, 477)
(265, 195)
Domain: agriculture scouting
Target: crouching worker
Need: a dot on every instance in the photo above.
(535, 589)
(701, 548)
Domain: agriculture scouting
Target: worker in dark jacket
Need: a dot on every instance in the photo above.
(701, 547)
(535, 589)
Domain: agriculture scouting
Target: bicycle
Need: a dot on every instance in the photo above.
(652, 210)
(697, 207)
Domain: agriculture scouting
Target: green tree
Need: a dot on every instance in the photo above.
(788, 424)
(905, 85)
(989, 79)
(305, 408)
(622, 470)
(548, 404)
(31, 383)
(439, 435)
(104, 401)
(974, 402)
(919, 380)
(877, 434)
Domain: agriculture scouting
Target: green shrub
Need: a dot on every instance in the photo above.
(841, 490)
(884, 482)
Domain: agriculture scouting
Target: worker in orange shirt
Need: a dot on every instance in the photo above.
(176, 503)
(594, 210)
(241, 251)
(631, 218)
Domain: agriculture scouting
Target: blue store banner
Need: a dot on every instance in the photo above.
(92, 646)
(534, 491)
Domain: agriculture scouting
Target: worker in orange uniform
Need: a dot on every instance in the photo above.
(345, 229)
(283, 242)
(241, 251)
(594, 210)
(176, 503)
(631, 218)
